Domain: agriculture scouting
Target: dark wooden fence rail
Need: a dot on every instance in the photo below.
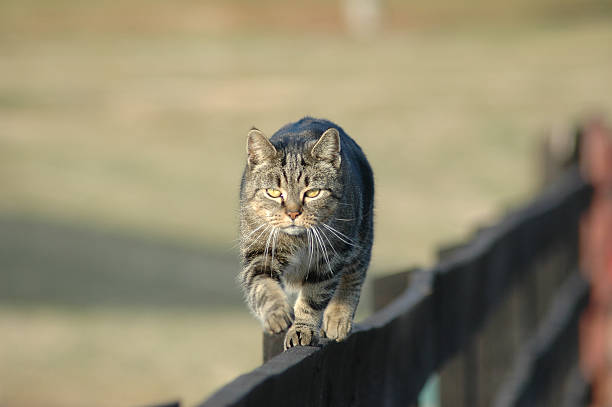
(496, 319)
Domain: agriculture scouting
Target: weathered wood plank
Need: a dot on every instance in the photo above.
(547, 360)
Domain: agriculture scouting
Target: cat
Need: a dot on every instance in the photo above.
(306, 226)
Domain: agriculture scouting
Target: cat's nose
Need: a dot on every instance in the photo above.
(293, 214)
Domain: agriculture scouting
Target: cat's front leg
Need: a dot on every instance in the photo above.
(338, 317)
(266, 299)
(308, 309)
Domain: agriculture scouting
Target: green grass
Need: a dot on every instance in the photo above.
(133, 120)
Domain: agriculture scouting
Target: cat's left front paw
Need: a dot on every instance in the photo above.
(337, 323)
(301, 335)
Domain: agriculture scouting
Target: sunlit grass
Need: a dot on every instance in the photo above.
(149, 134)
(121, 357)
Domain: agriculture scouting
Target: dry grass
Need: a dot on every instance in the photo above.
(67, 358)
(149, 134)
(123, 119)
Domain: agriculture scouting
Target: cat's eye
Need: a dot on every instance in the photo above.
(274, 193)
(312, 193)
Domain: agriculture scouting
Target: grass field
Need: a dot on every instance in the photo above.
(120, 357)
(132, 120)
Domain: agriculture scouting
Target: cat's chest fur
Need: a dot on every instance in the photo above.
(297, 268)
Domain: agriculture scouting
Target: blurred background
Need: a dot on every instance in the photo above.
(122, 142)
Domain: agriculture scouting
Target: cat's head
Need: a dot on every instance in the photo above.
(295, 184)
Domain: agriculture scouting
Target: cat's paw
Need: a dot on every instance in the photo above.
(337, 324)
(278, 320)
(301, 335)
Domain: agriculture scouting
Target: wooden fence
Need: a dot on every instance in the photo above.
(496, 319)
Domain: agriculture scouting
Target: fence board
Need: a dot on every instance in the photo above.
(384, 362)
(547, 359)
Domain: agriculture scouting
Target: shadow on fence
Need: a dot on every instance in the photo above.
(496, 319)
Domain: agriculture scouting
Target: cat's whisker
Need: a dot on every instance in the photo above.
(331, 246)
(267, 247)
(314, 250)
(318, 246)
(257, 239)
(324, 249)
(333, 229)
(255, 230)
(274, 245)
(340, 235)
(276, 236)
(344, 220)
(248, 236)
(315, 244)
(328, 241)
(310, 249)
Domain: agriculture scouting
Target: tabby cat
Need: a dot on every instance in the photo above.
(306, 209)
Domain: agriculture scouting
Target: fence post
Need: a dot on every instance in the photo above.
(388, 287)
(272, 345)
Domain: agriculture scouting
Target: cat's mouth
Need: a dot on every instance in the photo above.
(294, 230)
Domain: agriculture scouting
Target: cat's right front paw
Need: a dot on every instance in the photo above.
(278, 320)
(301, 335)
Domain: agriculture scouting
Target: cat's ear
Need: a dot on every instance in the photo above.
(259, 148)
(327, 148)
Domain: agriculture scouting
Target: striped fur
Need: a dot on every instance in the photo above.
(323, 253)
